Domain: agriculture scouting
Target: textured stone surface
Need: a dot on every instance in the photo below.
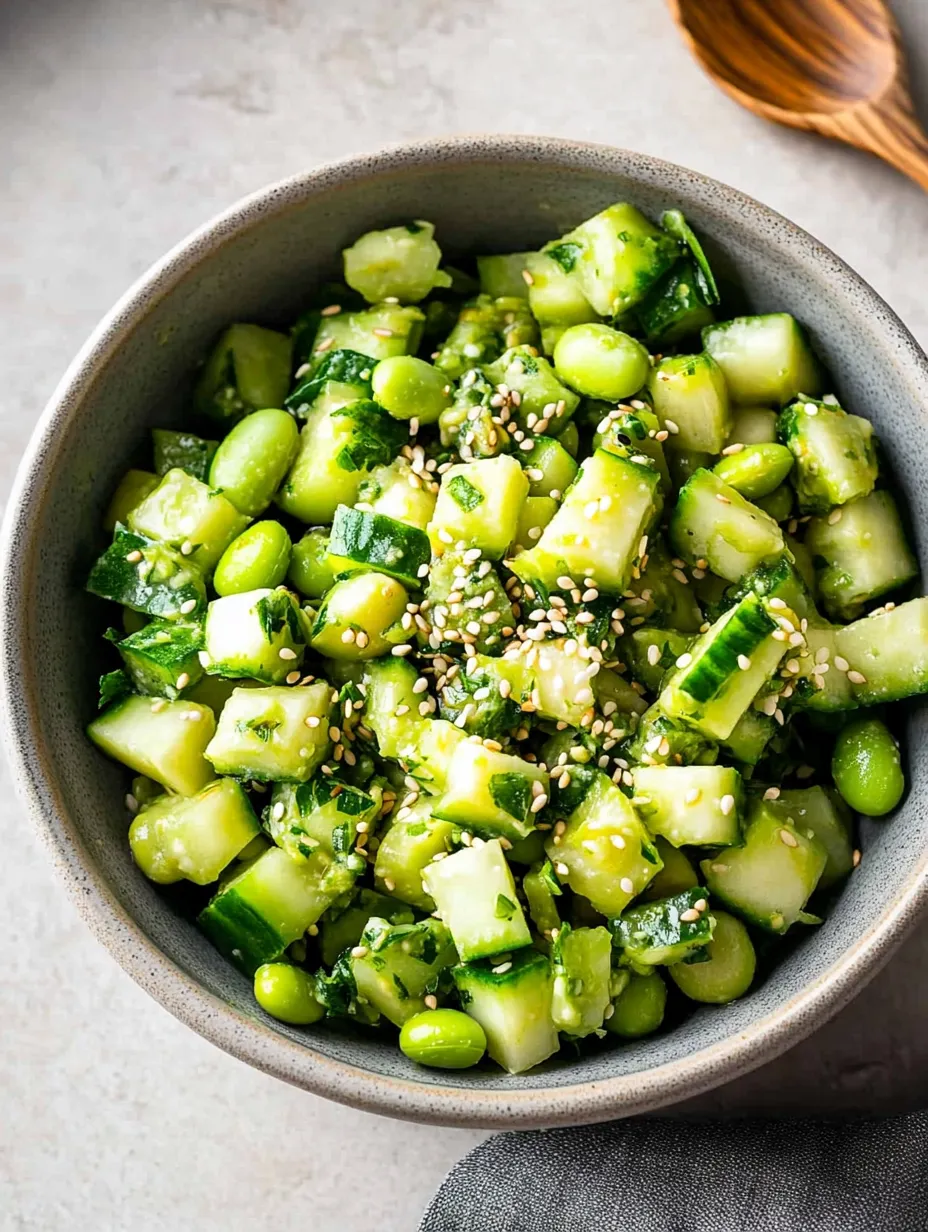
(122, 126)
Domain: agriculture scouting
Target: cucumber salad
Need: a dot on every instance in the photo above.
(505, 649)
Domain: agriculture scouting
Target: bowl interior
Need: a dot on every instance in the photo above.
(259, 264)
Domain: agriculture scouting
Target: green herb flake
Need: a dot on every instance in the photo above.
(512, 793)
(505, 907)
(565, 254)
(464, 493)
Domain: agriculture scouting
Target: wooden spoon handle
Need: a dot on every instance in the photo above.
(896, 136)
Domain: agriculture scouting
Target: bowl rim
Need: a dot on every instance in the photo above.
(246, 1037)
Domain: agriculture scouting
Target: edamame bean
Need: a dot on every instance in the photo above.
(444, 1039)
(409, 388)
(601, 362)
(729, 970)
(259, 557)
(310, 571)
(866, 767)
(639, 1009)
(288, 993)
(755, 470)
(778, 503)
(251, 462)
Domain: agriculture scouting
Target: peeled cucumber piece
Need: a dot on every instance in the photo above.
(161, 739)
(512, 1001)
(765, 359)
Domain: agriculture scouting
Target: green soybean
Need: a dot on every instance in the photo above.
(729, 970)
(443, 1039)
(409, 388)
(310, 571)
(251, 462)
(260, 556)
(288, 993)
(755, 470)
(639, 1009)
(601, 362)
(866, 767)
(778, 503)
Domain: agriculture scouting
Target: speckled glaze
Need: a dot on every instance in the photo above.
(257, 262)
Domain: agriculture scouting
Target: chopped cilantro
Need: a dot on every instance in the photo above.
(464, 493)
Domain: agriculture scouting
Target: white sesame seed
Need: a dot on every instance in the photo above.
(183, 680)
(188, 606)
(685, 659)
(726, 805)
(134, 557)
(690, 916)
(627, 886)
(744, 662)
(348, 636)
(788, 838)
(286, 653)
(729, 450)
(561, 869)
(692, 795)
(856, 677)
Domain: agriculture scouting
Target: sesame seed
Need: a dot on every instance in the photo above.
(720, 496)
(539, 803)
(502, 968)
(561, 869)
(856, 677)
(286, 653)
(400, 651)
(701, 904)
(744, 662)
(841, 664)
(654, 654)
(348, 636)
(726, 805)
(325, 345)
(359, 951)
(855, 859)
(188, 606)
(789, 838)
(680, 576)
(617, 841)
(134, 557)
(772, 793)
(183, 680)
(690, 916)
(413, 426)
(332, 310)
(381, 332)
(431, 1001)
(729, 450)
(685, 659)
(292, 677)
(627, 886)
(692, 795)
(361, 639)
(131, 803)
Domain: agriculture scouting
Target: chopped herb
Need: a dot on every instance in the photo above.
(464, 493)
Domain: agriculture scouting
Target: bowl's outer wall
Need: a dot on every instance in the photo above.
(259, 263)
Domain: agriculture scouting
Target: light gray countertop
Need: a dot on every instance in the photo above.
(124, 124)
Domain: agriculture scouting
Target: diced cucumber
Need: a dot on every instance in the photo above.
(651, 653)
(475, 896)
(339, 930)
(267, 734)
(713, 522)
(189, 516)
(776, 579)
(408, 847)
(247, 370)
(503, 275)
(162, 658)
(541, 888)
(193, 837)
(338, 450)
(887, 652)
(665, 931)
(324, 811)
(378, 332)
(489, 697)
(359, 618)
(270, 904)
(835, 455)
(429, 756)
(605, 853)
(691, 806)
(534, 516)
(723, 671)
(861, 553)
(184, 450)
(484, 329)
(512, 1002)
(615, 257)
(677, 875)
(391, 709)
(397, 263)
(397, 491)
(554, 297)
(215, 691)
(131, 490)
(361, 540)
(769, 879)
(728, 969)
(691, 401)
(549, 468)
(676, 307)
(401, 965)
(598, 529)
(750, 736)
(257, 634)
(340, 377)
(753, 425)
(545, 404)
(161, 739)
(564, 682)
(827, 691)
(478, 506)
(636, 431)
(662, 594)
(822, 812)
(474, 423)
(467, 604)
(582, 959)
(765, 359)
(661, 740)
(491, 793)
(609, 686)
(148, 577)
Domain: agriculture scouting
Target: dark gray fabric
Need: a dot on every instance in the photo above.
(693, 1176)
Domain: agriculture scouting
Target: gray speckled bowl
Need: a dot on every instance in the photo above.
(257, 262)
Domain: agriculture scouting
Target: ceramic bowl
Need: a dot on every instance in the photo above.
(257, 262)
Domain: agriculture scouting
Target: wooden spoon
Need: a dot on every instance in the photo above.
(833, 66)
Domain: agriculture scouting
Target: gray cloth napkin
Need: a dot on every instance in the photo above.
(693, 1176)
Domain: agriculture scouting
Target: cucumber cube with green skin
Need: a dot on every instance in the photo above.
(651, 653)
(397, 491)
(452, 575)
(822, 812)
(247, 370)
(775, 579)
(713, 522)
(691, 806)
(401, 966)
(257, 634)
(485, 328)
(887, 652)
(597, 531)
(615, 257)
(270, 904)
(677, 875)
(861, 553)
(835, 454)
(753, 425)
(609, 686)
(161, 739)
(541, 393)
(339, 447)
(378, 332)
(130, 491)
(162, 658)
(665, 931)
(723, 671)
(361, 540)
(564, 681)
(582, 959)
(408, 847)
(215, 691)
(605, 853)
(636, 431)
(661, 740)
(148, 577)
(396, 263)
(541, 887)
(428, 754)
(491, 793)
(534, 516)
(323, 812)
(503, 275)
(359, 618)
(478, 505)
(690, 395)
(555, 297)
(266, 734)
(489, 697)
(676, 307)
(659, 596)
(189, 516)
(341, 377)
(391, 706)
(750, 736)
(828, 692)
(182, 450)
(765, 359)
(473, 423)
(769, 879)
(512, 1001)
(193, 837)
(339, 930)
(475, 896)
(549, 468)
